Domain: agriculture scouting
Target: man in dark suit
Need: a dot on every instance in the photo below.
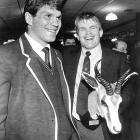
(34, 99)
(113, 65)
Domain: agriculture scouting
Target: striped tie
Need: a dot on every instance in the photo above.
(47, 59)
(86, 64)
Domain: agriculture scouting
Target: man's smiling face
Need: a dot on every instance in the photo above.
(89, 33)
(44, 26)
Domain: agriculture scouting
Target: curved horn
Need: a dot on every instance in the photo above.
(107, 85)
(120, 82)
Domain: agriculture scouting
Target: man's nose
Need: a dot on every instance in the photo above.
(55, 22)
(88, 31)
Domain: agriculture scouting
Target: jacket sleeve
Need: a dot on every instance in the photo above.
(4, 94)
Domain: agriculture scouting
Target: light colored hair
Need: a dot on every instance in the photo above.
(87, 16)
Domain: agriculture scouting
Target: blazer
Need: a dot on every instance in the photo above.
(113, 65)
(26, 110)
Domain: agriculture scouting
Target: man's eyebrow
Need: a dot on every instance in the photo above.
(95, 25)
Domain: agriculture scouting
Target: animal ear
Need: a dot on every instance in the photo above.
(90, 80)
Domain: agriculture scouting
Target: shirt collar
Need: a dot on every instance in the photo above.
(37, 47)
(93, 51)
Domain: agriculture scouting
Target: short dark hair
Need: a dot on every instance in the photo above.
(86, 16)
(32, 6)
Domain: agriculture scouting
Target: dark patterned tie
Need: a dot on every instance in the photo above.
(82, 99)
(47, 60)
(86, 64)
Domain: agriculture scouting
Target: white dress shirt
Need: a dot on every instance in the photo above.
(37, 47)
(96, 55)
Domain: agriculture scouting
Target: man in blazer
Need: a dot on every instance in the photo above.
(113, 65)
(34, 98)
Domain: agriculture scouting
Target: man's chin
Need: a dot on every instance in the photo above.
(88, 47)
(51, 39)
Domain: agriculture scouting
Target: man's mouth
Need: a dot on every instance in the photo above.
(53, 30)
(89, 38)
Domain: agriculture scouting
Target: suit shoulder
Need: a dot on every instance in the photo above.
(115, 53)
(10, 50)
(9, 46)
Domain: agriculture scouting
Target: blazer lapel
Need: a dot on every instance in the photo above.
(64, 86)
(34, 66)
(106, 63)
(76, 57)
(73, 65)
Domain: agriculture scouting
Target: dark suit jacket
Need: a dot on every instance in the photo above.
(26, 110)
(113, 65)
(135, 65)
(135, 111)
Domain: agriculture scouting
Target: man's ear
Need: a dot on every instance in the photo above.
(101, 32)
(28, 18)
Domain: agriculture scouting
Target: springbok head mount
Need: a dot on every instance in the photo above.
(108, 97)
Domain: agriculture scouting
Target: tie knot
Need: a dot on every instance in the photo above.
(88, 53)
(45, 50)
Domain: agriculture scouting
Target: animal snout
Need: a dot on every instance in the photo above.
(117, 129)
